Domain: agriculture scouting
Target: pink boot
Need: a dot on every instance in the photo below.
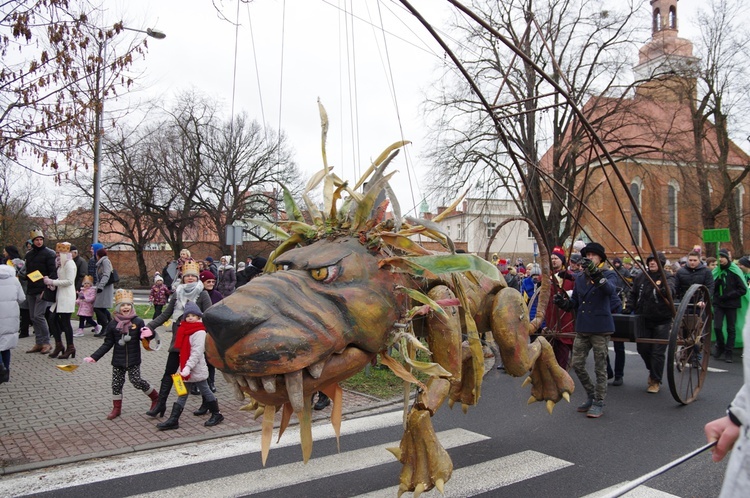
(78, 332)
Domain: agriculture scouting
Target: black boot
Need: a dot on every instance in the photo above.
(173, 422)
(203, 408)
(323, 401)
(216, 417)
(728, 355)
(161, 406)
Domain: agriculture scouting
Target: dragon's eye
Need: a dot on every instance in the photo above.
(326, 274)
(282, 267)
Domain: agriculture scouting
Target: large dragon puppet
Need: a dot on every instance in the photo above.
(348, 285)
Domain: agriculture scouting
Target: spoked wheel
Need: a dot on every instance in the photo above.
(690, 345)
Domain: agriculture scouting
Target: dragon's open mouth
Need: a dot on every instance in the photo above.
(292, 387)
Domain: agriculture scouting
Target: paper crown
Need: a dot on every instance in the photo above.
(191, 268)
(36, 233)
(62, 247)
(123, 296)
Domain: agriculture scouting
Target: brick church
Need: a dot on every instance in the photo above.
(662, 156)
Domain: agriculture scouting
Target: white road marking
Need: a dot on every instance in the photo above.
(493, 474)
(275, 478)
(639, 492)
(104, 469)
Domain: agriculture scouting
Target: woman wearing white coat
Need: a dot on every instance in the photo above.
(11, 296)
(65, 302)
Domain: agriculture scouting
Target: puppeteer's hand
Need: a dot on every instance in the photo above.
(725, 432)
(89, 359)
(146, 333)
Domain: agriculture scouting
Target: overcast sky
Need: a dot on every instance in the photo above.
(370, 70)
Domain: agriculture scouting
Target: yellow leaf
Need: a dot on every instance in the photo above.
(450, 209)
(403, 243)
(67, 368)
(429, 368)
(380, 159)
(422, 298)
(266, 432)
(399, 370)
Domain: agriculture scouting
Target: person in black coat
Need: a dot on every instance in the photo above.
(594, 296)
(41, 259)
(251, 271)
(648, 298)
(123, 334)
(694, 272)
(729, 289)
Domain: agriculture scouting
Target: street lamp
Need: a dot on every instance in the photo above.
(153, 33)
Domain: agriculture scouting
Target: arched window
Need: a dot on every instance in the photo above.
(657, 20)
(636, 187)
(739, 194)
(672, 189)
(673, 17)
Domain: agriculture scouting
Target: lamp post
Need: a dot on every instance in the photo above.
(153, 33)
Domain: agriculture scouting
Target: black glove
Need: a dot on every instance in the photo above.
(99, 290)
(562, 302)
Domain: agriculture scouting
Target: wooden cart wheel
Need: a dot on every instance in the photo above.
(690, 345)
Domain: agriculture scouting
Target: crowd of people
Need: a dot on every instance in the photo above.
(588, 290)
(45, 287)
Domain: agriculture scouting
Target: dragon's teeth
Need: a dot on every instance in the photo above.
(241, 381)
(294, 390)
(316, 369)
(269, 383)
(252, 383)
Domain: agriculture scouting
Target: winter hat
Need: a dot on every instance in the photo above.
(259, 262)
(616, 261)
(207, 275)
(192, 309)
(627, 261)
(240, 266)
(575, 258)
(558, 251)
(745, 261)
(158, 278)
(96, 247)
(578, 245)
(209, 259)
(522, 270)
(660, 255)
(12, 252)
(724, 253)
(73, 248)
(535, 270)
(596, 248)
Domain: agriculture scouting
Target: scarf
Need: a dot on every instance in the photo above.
(183, 294)
(123, 321)
(184, 331)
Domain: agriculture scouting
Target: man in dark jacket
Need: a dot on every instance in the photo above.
(648, 298)
(82, 267)
(593, 294)
(729, 289)
(251, 271)
(694, 272)
(42, 260)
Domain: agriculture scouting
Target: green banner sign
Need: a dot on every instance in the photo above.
(716, 235)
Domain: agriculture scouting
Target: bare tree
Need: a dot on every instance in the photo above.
(16, 194)
(585, 47)
(244, 164)
(178, 150)
(50, 51)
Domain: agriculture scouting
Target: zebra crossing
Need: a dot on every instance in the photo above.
(466, 481)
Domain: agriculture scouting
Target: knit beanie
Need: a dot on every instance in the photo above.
(207, 275)
(192, 309)
(725, 253)
(745, 261)
(558, 251)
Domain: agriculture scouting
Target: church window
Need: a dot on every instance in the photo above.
(672, 189)
(635, 223)
(673, 17)
(657, 20)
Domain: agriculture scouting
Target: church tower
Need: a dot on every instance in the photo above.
(666, 64)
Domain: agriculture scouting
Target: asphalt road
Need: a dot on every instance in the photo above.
(502, 447)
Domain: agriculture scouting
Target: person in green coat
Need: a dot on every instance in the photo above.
(730, 303)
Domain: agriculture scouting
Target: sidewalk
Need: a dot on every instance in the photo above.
(50, 417)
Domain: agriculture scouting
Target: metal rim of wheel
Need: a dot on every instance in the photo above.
(689, 347)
